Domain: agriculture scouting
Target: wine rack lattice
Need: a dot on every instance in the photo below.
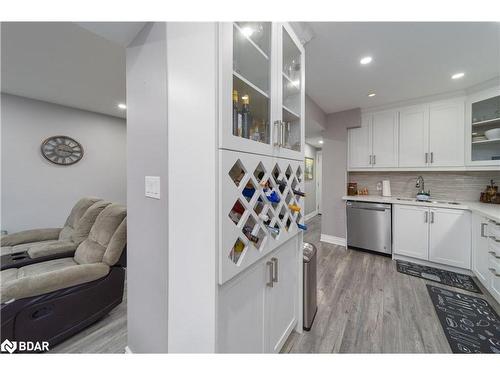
(254, 221)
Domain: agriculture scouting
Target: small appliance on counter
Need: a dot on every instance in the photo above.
(386, 188)
(352, 188)
(491, 194)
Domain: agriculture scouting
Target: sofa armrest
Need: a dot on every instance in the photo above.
(51, 281)
(32, 235)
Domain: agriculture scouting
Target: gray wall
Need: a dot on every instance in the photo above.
(310, 185)
(461, 186)
(37, 193)
(147, 249)
(334, 170)
(315, 118)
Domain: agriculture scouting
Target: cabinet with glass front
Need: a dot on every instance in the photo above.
(261, 94)
(483, 117)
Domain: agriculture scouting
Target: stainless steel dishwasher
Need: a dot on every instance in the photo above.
(369, 226)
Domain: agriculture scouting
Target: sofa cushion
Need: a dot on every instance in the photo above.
(51, 248)
(45, 277)
(102, 235)
(75, 215)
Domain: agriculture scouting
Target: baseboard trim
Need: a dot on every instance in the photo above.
(128, 351)
(310, 215)
(333, 240)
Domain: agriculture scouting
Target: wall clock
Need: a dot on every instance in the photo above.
(62, 150)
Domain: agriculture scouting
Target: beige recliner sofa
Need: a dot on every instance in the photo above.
(52, 300)
(24, 247)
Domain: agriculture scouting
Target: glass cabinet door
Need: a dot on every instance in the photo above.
(251, 86)
(292, 111)
(485, 130)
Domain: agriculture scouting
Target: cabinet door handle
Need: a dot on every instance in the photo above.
(432, 217)
(426, 215)
(483, 226)
(282, 133)
(426, 157)
(269, 265)
(374, 159)
(495, 239)
(494, 272)
(371, 159)
(275, 269)
(494, 254)
(432, 157)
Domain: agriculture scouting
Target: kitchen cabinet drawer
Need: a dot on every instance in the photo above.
(494, 287)
(494, 229)
(494, 247)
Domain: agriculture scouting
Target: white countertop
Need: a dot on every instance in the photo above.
(491, 211)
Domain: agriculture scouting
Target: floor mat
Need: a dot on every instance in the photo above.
(470, 324)
(456, 280)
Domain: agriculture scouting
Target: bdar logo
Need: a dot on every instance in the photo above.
(8, 346)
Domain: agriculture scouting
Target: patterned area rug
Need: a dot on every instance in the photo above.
(470, 324)
(456, 280)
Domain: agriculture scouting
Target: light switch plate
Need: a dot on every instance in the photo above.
(152, 186)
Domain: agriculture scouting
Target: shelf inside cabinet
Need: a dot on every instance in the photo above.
(289, 115)
(293, 86)
(486, 141)
(487, 122)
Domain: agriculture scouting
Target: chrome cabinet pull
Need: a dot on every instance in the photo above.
(374, 159)
(483, 225)
(426, 157)
(426, 220)
(275, 269)
(270, 283)
(494, 254)
(432, 217)
(277, 131)
(495, 239)
(282, 134)
(371, 159)
(432, 157)
(494, 272)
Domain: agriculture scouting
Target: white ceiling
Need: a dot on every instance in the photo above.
(410, 60)
(66, 64)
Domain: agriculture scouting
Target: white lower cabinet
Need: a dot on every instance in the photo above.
(438, 235)
(258, 309)
(480, 249)
(450, 237)
(411, 231)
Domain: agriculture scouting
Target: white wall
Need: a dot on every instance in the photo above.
(36, 193)
(310, 185)
(335, 171)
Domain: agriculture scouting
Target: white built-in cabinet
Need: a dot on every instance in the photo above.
(260, 240)
(486, 253)
(439, 235)
(258, 309)
(375, 143)
(422, 136)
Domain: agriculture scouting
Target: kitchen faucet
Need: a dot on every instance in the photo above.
(420, 184)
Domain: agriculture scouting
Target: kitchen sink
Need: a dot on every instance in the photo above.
(429, 201)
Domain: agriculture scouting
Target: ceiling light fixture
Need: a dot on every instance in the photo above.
(320, 142)
(365, 60)
(371, 95)
(122, 106)
(457, 75)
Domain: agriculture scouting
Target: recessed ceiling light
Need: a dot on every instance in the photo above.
(122, 106)
(457, 75)
(365, 60)
(320, 142)
(371, 95)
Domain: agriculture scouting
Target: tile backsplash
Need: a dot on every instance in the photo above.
(461, 186)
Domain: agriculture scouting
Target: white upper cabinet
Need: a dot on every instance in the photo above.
(359, 145)
(413, 136)
(385, 139)
(446, 134)
(262, 89)
(482, 114)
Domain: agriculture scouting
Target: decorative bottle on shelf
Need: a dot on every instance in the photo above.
(246, 117)
(299, 193)
(236, 114)
(248, 233)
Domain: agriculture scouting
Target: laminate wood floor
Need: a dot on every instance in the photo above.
(366, 306)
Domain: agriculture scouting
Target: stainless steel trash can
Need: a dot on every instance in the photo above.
(309, 285)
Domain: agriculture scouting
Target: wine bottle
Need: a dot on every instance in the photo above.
(294, 207)
(248, 233)
(235, 112)
(298, 192)
(281, 183)
(246, 117)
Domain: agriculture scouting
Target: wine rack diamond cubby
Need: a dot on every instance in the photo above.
(261, 206)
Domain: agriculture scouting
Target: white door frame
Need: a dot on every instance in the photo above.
(319, 181)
